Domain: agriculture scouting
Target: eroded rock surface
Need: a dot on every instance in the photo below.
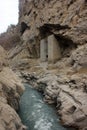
(10, 92)
(63, 82)
(64, 18)
(11, 89)
(68, 93)
(65, 85)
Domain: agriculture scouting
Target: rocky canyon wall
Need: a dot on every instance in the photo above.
(65, 80)
(60, 27)
(66, 20)
(11, 88)
(63, 18)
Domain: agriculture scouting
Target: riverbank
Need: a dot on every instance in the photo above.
(65, 91)
(36, 114)
(11, 89)
(48, 49)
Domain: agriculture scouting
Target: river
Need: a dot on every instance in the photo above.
(36, 114)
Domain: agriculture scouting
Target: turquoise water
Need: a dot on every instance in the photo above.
(36, 114)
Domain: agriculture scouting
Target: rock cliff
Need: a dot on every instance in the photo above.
(65, 79)
(11, 89)
(52, 49)
(66, 19)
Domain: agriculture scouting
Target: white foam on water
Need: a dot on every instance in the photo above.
(38, 106)
(43, 124)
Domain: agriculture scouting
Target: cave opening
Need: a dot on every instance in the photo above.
(24, 26)
(54, 46)
(66, 45)
(49, 29)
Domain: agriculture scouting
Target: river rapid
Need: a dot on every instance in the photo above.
(36, 114)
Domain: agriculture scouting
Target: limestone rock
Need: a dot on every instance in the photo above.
(11, 89)
(3, 57)
(10, 38)
(67, 21)
(69, 94)
(78, 58)
(9, 120)
(66, 84)
(64, 18)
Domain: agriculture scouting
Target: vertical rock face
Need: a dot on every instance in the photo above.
(67, 18)
(11, 89)
(64, 25)
(11, 38)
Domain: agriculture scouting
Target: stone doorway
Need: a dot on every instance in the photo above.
(50, 49)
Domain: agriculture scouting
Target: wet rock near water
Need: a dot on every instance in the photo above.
(78, 58)
(9, 120)
(68, 94)
(36, 114)
(11, 89)
(56, 30)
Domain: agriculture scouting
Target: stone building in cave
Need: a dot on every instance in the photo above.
(54, 46)
(49, 49)
(47, 45)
